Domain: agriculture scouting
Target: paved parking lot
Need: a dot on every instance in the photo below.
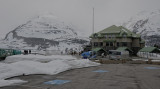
(116, 76)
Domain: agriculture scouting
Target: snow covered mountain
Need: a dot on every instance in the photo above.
(148, 25)
(44, 32)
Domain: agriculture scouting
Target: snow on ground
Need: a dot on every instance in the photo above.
(38, 64)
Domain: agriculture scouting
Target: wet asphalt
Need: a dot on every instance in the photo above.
(118, 76)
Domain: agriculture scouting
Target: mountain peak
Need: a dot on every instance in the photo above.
(46, 31)
(147, 24)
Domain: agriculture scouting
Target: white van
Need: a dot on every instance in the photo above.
(117, 55)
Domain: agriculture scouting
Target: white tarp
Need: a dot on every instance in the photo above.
(147, 55)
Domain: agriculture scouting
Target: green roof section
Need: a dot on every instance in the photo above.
(142, 42)
(96, 35)
(148, 49)
(120, 30)
(128, 32)
(111, 29)
(124, 49)
(109, 40)
(97, 49)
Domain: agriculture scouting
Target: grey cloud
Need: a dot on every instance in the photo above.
(79, 12)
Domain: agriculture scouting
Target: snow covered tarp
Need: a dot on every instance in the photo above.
(37, 64)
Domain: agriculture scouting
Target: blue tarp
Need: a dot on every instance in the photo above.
(88, 54)
(57, 82)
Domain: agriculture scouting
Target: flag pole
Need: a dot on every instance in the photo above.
(93, 20)
(92, 32)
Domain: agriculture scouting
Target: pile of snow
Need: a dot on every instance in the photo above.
(37, 64)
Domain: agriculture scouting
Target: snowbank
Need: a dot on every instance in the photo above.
(39, 58)
(37, 64)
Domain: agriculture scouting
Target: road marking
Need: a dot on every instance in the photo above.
(57, 82)
(152, 68)
(100, 71)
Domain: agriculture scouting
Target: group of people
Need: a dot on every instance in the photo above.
(27, 52)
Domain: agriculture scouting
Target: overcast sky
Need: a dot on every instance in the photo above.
(79, 12)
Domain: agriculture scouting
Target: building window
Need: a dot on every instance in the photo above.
(124, 44)
(107, 44)
(117, 44)
(124, 35)
(95, 44)
(106, 36)
(109, 37)
(111, 43)
(101, 43)
(113, 36)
